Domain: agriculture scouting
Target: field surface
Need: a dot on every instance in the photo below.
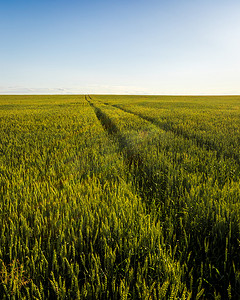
(119, 197)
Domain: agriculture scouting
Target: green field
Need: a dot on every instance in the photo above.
(119, 197)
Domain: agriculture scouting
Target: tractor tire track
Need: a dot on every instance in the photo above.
(147, 184)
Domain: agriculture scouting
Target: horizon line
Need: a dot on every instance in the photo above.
(111, 94)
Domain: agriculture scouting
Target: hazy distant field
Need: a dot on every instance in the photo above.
(119, 197)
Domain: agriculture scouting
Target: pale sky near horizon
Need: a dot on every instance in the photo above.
(120, 47)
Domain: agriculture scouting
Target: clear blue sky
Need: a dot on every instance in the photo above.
(120, 46)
